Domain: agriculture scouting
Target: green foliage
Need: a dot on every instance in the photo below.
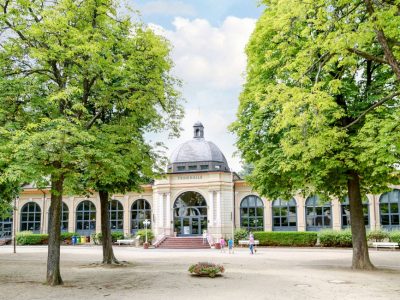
(115, 235)
(334, 238)
(29, 238)
(67, 235)
(142, 234)
(206, 269)
(377, 235)
(240, 234)
(394, 236)
(307, 80)
(289, 238)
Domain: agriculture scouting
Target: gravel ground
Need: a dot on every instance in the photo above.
(273, 273)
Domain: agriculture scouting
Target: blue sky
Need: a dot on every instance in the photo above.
(208, 39)
(163, 12)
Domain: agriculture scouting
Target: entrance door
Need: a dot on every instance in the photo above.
(190, 214)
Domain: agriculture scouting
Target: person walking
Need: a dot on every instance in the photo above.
(230, 246)
(222, 243)
(251, 243)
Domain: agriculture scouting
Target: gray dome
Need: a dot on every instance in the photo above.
(197, 150)
(197, 155)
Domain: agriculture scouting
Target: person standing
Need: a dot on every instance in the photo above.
(222, 243)
(251, 243)
(230, 246)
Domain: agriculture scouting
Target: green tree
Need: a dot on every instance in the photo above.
(70, 70)
(319, 112)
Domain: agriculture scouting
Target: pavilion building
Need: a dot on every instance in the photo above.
(199, 192)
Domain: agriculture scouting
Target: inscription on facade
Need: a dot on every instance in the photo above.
(190, 177)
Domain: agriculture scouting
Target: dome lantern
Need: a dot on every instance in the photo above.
(198, 130)
(197, 155)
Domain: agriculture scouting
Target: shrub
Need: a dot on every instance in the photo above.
(394, 236)
(286, 238)
(115, 235)
(29, 238)
(67, 235)
(206, 269)
(334, 238)
(142, 234)
(377, 235)
(240, 234)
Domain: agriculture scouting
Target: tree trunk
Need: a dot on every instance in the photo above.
(53, 256)
(108, 253)
(361, 259)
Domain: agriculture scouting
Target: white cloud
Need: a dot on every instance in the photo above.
(210, 60)
(207, 55)
(170, 8)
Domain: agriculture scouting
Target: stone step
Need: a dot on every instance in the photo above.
(183, 243)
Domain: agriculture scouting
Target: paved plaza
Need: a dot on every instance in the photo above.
(273, 273)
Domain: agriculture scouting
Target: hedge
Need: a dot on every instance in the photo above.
(286, 238)
(29, 238)
(394, 236)
(333, 238)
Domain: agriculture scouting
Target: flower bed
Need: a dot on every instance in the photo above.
(206, 269)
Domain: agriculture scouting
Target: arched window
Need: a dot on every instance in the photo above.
(86, 218)
(31, 217)
(252, 213)
(64, 218)
(6, 223)
(140, 211)
(345, 211)
(318, 214)
(284, 215)
(116, 215)
(389, 207)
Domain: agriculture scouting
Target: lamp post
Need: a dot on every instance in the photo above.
(146, 223)
(14, 223)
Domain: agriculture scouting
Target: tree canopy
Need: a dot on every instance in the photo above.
(322, 97)
(80, 85)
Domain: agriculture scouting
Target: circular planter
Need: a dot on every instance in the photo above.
(145, 245)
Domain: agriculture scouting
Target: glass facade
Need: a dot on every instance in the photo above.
(86, 218)
(6, 224)
(318, 214)
(141, 210)
(252, 213)
(116, 215)
(284, 215)
(345, 212)
(389, 208)
(31, 216)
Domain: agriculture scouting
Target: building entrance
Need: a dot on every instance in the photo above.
(190, 214)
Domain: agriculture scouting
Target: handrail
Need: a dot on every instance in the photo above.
(161, 238)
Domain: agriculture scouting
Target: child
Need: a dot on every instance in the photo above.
(222, 242)
(230, 246)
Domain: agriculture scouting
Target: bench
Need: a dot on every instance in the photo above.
(246, 242)
(385, 245)
(125, 242)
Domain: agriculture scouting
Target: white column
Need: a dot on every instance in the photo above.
(168, 212)
(161, 213)
(211, 208)
(218, 208)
